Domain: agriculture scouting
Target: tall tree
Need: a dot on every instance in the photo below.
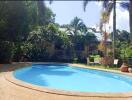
(108, 6)
(13, 21)
(14, 27)
(130, 16)
(39, 16)
(114, 27)
(128, 6)
(78, 26)
(41, 11)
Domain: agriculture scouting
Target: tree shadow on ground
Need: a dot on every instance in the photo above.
(38, 69)
(13, 66)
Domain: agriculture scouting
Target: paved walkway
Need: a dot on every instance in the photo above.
(10, 91)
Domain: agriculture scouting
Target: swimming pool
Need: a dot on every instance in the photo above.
(65, 77)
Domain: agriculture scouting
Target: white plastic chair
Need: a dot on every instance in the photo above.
(96, 61)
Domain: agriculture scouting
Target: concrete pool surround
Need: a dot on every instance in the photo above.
(10, 78)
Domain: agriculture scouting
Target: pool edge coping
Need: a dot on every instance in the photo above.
(10, 78)
(101, 69)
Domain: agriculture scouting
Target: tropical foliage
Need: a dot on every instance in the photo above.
(28, 32)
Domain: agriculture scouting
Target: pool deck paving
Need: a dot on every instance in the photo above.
(11, 91)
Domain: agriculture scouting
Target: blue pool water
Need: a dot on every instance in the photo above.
(64, 77)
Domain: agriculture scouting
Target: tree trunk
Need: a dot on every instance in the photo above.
(114, 28)
(41, 12)
(105, 45)
(130, 22)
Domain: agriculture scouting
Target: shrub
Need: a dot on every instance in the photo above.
(6, 51)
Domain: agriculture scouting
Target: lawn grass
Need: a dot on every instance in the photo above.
(101, 67)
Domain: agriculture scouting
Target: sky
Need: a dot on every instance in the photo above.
(66, 11)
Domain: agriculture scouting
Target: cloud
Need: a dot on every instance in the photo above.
(66, 10)
(122, 19)
(99, 4)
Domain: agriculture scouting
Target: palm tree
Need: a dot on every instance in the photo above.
(108, 6)
(75, 29)
(78, 26)
(130, 16)
(114, 27)
(128, 6)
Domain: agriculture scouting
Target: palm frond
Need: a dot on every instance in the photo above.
(105, 3)
(85, 2)
(50, 1)
(109, 8)
(125, 5)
